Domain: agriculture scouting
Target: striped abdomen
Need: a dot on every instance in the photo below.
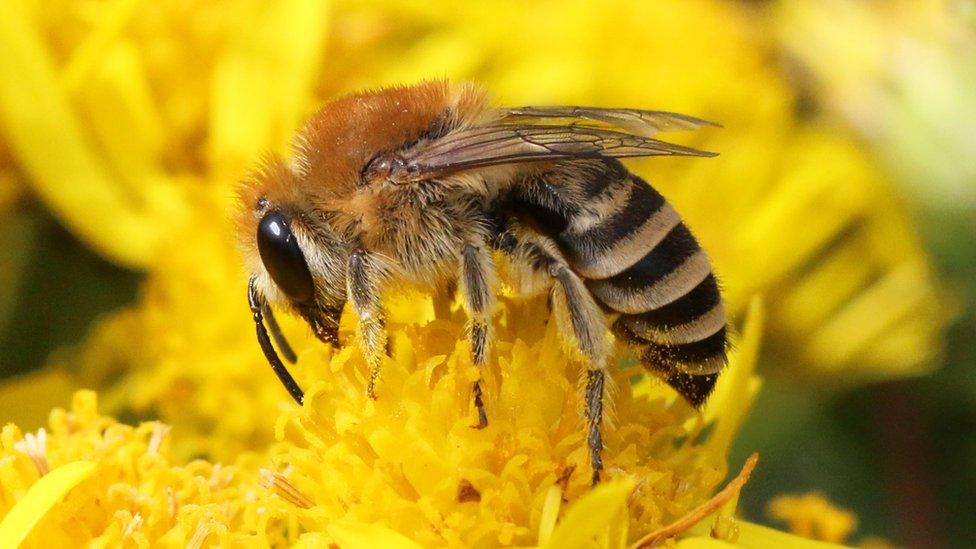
(641, 261)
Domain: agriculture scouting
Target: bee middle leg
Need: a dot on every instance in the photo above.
(363, 274)
(477, 287)
(579, 319)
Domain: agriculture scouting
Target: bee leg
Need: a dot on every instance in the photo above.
(594, 419)
(324, 322)
(477, 281)
(577, 314)
(362, 286)
(578, 318)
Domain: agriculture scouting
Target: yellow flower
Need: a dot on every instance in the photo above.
(148, 113)
(411, 461)
(111, 484)
(406, 469)
(850, 294)
(133, 121)
(408, 462)
(813, 516)
(899, 73)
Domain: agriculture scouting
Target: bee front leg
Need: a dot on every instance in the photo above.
(477, 287)
(363, 276)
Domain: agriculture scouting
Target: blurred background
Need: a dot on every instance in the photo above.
(844, 196)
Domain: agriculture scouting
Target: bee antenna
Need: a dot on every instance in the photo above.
(257, 304)
(278, 336)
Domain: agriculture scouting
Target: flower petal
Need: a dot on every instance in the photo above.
(353, 535)
(47, 140)
(752, 536)
(738, 385)
(592, 515)
(40, 498)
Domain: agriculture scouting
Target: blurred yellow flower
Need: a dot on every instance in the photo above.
(813, 516)
(153, 110)
(132, 121)
(900, 74)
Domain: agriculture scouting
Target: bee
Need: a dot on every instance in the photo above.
(429, 184)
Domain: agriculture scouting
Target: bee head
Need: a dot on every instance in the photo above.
(296, 258)
(298, 218)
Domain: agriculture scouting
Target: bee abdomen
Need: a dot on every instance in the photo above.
(626, 221)
(671, 268)
(641, 260)
(688, 334)
(671, 311)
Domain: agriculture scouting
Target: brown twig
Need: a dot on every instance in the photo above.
(696, 515)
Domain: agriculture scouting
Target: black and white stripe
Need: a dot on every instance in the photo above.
(639, 260)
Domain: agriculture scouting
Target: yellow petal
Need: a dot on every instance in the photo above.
(752, 536)
(47, 140)
(40, 498)
(591, 516)
(106, 30)
(263, 82)
(550, 513)
(738, 386)
(704, 543)
(353, 535)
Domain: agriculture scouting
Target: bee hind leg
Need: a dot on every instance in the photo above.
(363, 276)
(580, 321)
(583, 325)
(477, 287)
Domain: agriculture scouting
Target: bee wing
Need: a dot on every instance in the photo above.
(513, 143)
(635, 121)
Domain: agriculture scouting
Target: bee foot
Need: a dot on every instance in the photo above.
(480, 406)
(482, 420)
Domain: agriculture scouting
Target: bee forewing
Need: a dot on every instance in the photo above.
(525, 142)
(644, 123)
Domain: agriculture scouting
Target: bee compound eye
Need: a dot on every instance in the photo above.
(283, 258)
